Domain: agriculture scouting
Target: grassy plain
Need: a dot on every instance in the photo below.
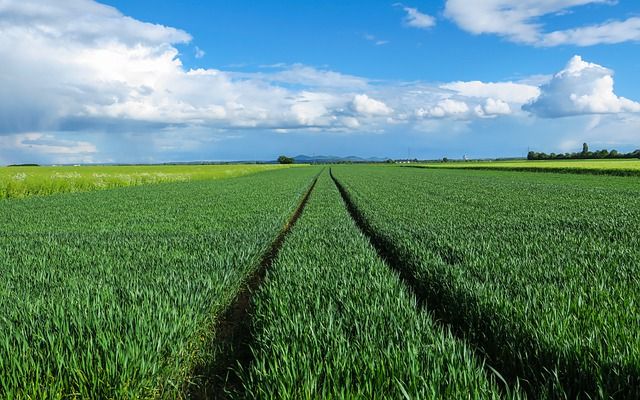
(538, 270)
(620, 167)
(16, 182)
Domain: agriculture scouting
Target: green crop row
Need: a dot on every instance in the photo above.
(331, 320)
(114, 294)
(18, 182)
(540, 271)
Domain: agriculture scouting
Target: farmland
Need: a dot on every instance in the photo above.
(318, 336)
(349, 281)
(112, 294)
(16, 182)
(539, 271)
(624, 167)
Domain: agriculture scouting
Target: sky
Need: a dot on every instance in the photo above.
(142, 81)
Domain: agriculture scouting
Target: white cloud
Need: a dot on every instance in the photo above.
(350, 122)
(365, 105)
(507, 91)
(81, 68)
(82, 63)
(519, 21)
(83, 20)
(580, 88)
(459, 108)
(492, 108)
(444, 108)
(199, 53)
(606, 33)
(416, 19)
(314, 109)
(305, 75)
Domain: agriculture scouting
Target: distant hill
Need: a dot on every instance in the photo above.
(335, 159)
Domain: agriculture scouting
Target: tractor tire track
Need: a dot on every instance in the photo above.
(394, 260)
(219, 379)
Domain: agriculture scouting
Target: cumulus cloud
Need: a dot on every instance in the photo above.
(77, 68)
(519, 21)
(80, 63)
(84, 21)
(492, 108)
(506, 91)
(444, 108)
(415, 18)
(580, 88)
(315, 109)
(365, 105)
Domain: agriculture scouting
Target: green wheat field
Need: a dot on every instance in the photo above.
(320, 281)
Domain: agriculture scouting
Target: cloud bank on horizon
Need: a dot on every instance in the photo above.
(77, 74)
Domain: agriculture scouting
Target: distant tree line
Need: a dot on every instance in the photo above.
(285, 160)
(584, 154)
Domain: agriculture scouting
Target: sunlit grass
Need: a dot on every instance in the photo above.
(613, 167)
(17, 182)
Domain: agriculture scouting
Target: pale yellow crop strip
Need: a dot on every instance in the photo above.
(19, 182)
(630, 164)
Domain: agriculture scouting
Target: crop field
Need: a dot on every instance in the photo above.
(111, 294)
(623, 167)
(18, 182)
(341, 282)
(333, 321)
(540, 271)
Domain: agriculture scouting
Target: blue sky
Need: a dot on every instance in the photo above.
(155, 81)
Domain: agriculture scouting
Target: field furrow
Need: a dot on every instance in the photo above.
(539, 271)
(233, 329)
(115, 294)
(331, 320)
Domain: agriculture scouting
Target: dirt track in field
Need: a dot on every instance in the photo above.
(234, 330)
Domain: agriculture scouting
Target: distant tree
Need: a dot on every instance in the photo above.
(445, 159)
(285, 160)
(585, 148)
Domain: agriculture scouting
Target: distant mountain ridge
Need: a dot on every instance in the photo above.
(311, 159)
